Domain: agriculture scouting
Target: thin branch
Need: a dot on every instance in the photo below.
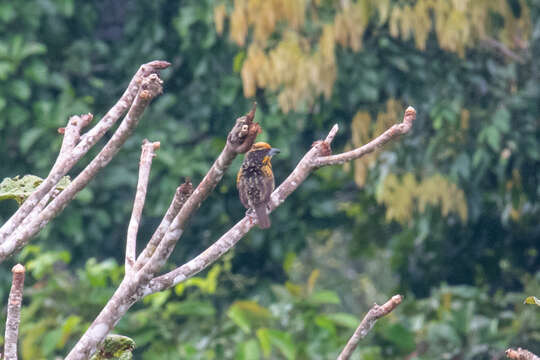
(150, 88)
(86, 142)
(239, 140)
(147, 154)
(393, 132)
(521, 354)
(72, 136)
(183, 192)
(503, 49)
(375, 313)
(309, 163)
(14, 313)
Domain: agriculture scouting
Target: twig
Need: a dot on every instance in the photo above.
(503, 49)
(14, 313)
(393, 132)
(521, 354)
(375, 313)
(150, 88)
(147, 154)
(85, 143)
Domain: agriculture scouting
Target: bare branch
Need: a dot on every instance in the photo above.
(72, 136)
(14, 313)
(375, 313)
(239, 140)
(521, 354)
(393, 132)
(183, 192)
(85, 143)
(309, 163)
(153, 257)
(147, 154)
(150, 88)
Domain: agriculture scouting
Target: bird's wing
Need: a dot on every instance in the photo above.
(268, 186)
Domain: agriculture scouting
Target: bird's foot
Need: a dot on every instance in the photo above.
(250, 213)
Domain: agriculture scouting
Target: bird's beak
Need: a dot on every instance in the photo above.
(273, 151)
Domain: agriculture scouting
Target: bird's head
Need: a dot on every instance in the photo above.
(261, 152)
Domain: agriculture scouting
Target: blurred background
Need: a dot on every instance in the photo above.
(447, 215)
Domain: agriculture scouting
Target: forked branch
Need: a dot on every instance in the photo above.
(317, 156)
(15, 234)
(147, 154)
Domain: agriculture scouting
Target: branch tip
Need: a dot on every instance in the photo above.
(332, 134)
(520, 354)
(244, 132)
(18, 269)
(375, 313)
(251, 114)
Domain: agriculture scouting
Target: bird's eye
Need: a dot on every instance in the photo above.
(245, 128)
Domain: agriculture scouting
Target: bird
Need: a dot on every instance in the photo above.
(255, 181)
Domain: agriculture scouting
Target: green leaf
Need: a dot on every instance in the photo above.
(324, 297)
(399, 335)
(264, 340)
(240, 318)
(158, 299)
(71, 325)
(21, 90)
(33, 48)
(115, 347)
(501, 120)
(191, 307)
(532, 300)
(50, 341)
(29, 138)
(248, 350)
(283, 342)
(326, 323)
(344, 319)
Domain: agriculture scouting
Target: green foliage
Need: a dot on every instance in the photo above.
(115, 347)
(19, 189)
(532, 300)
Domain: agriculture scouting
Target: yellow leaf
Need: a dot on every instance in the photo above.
(220, 12)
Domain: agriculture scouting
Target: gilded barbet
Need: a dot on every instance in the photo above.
(255, 181)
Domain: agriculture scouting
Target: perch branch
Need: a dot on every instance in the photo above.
(521, 354)
(143, 283)
(239, 140)
(149, 89)
(309, 163)
(147, 154)
(85, 143)
(375, 313)
(14, 313)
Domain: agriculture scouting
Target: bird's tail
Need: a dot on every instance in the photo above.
(262, 216)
